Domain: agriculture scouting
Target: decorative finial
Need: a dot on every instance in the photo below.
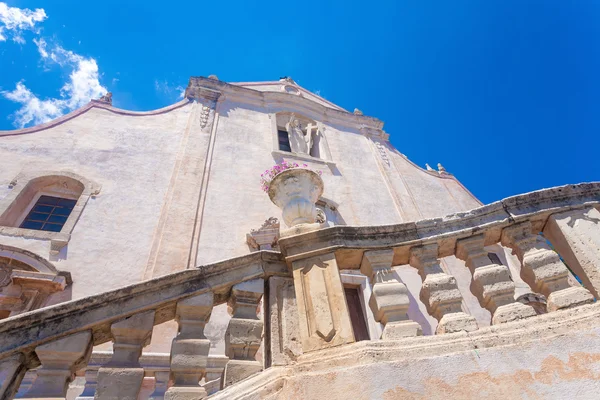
(213, 77)
(287, 79)
(357, 112)
(107, 98)
(429, 167)
(441, 168)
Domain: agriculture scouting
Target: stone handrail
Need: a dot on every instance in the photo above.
(350, 242)
(28, 339)
(567, 216)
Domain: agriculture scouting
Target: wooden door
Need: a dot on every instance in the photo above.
(357, 315)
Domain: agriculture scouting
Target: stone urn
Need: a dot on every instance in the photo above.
(296, 191)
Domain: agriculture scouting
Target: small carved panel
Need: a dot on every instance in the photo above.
(322, 310)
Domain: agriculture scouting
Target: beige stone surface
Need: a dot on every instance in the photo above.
(122, 376)
(543, 269)
(556, 359)
(284, 341)
(576, 235)
(389, 300)
(60, 359)
(323, 313)
(189, 351)
(12, 370)
(492, 283)
(439, 292)
(244, 333)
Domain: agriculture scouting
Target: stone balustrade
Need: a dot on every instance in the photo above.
(305, 306)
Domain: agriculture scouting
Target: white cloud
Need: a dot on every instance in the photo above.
(41, 45)
(83, 85)
(169, 89)
(13, 21)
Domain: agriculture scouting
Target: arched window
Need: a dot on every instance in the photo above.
(45, 205)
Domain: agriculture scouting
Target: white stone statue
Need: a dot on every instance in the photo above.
(300, 141)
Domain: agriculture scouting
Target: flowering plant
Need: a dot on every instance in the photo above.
(267, 176)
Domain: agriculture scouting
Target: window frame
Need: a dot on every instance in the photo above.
(26, 182)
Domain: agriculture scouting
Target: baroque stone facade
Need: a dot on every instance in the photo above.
(139, 258)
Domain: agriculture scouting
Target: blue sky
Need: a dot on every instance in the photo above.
(505, 94)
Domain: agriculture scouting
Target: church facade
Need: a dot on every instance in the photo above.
(141, 257)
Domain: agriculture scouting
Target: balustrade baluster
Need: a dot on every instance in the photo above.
(91, 384)
(542, 268)
(244, 332)
(439, 292)
(161, 385)
(491, 283)
(60, 359)
(189, 350)
(122, 376)
(389, 300)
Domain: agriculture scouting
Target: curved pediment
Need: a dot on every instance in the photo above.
(86, 108)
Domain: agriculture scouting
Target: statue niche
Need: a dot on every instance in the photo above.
(304, 134)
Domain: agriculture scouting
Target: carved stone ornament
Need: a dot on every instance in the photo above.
(321, 217)
(296, 191)
(382, 153)
(265, 237)
(107, 98)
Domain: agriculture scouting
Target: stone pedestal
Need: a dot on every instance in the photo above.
(189, 351)
(389, 300)
(322, 309)
(244, 332)
(12, 371)
(492, 284)
(439, 292)
(542, 268)
(576, 236)
(122, 376)
(60, 359)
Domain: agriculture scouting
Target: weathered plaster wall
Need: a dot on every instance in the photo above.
(132, 158)
(555, 356)
(566, 367)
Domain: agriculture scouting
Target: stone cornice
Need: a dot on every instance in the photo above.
(295, 85)
(276, 100)
(349, 242)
